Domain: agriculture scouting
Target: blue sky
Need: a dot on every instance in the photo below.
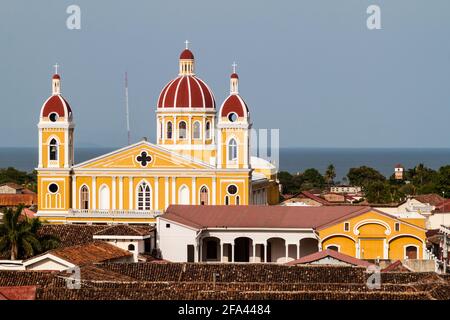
(310, 68)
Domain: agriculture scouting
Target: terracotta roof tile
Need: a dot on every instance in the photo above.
(125, 230)
(330, 253)
(94, 252)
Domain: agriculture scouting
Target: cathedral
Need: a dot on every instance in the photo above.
(201, 157)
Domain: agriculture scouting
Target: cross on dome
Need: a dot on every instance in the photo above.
(187, 44)
(234, 65)
(56, 65)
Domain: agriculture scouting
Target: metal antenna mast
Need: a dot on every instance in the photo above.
(126, 108)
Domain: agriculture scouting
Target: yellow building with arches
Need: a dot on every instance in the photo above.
(372, 234)
(201, 156)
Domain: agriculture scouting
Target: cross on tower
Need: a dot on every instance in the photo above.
(56, 68)
(234, 65)
(187, 44)
(144, 158)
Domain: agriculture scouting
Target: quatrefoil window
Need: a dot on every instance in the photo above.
(144, 158)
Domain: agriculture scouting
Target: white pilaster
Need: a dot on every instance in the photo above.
(175, 130)
(214, 191)
(156, 207)
(94, 192)
(113, 207)
(204, 129)
(40, 149)
(174, 199)
(166, 193)
(130, 193)
(121, 193)
(163, 126)
(74, 192)
(66, 148)
(194, 190)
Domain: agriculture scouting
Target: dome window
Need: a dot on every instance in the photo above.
(53, 188)
(53, 117)
(232, 117)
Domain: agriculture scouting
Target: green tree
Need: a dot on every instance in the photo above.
(19, 235)
(378, 192)
(330, 174)
(312, 178)
(364, 176)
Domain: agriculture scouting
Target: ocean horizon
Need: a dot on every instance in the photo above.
(291, 159)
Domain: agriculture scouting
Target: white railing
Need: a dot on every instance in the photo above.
(114, 213)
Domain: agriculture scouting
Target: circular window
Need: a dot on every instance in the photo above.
(232, 189)
(232, 117)
(53, 116)
(53, 188)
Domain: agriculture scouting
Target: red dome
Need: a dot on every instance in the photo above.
(187, 54)
(57, 104)
(56, 76)
(234, 76)
(234, 103)
(186, 92)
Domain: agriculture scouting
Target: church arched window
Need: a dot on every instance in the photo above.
(208, 130)
(204, 195)
(182, 130)
(84, 197)
(169, 130)
(53, 149)
(232, 150)
(183, 195)
(197, 129)
(144, 197)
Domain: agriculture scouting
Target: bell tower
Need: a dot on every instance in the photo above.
(56, 154)
(56, 129)
(233, 129)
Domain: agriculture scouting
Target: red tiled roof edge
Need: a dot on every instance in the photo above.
(334, 254)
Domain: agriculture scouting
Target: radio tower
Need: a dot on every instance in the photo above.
(126, 108)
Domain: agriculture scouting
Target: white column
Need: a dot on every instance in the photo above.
(254, 251)
(113, 193)
(286, 248)
(267, 252)
(174, 199)
(298, 250)
(156, 207)
(232, 252)
(357, 255)
(130, 193)
(213, 191)
(121, 193)
(194, 190)
(74, 192)
(221, 251)
(166, 193)
(386, 249)
(196, 253)
(94, 193)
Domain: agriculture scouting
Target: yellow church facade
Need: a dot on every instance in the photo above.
(201, 156)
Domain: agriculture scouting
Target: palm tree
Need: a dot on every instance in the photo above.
(19, 235)
(330, 174)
